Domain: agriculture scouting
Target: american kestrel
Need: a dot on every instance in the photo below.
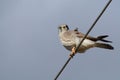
(70, 39)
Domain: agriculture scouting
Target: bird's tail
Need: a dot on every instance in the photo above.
(103, 45)
(101, 38)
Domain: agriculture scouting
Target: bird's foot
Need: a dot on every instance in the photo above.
(72, 52)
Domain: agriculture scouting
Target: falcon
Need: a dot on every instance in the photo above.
(70, 39)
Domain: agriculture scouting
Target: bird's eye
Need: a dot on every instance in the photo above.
(64, 27)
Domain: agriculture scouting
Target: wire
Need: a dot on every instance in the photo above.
(93, 24)
(83, 39)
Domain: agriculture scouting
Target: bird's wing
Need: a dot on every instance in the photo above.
(99, 38)
(81, 35)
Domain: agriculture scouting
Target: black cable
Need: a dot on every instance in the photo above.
(83, 39)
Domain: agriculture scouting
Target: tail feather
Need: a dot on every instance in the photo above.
(101, 38)
(103, 45)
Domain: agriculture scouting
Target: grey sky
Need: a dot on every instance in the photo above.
(30, 48)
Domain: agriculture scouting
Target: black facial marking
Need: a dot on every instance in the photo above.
(67, 27)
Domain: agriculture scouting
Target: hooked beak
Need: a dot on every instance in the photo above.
(59, 27)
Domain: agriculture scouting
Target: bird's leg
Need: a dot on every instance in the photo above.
(72, 52)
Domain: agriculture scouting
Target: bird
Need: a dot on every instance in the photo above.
(70, 39)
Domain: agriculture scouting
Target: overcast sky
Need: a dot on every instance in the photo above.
(30, 48)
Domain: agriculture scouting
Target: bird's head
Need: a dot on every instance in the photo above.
(63, 28)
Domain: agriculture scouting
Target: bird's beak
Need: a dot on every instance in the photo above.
(59, 27)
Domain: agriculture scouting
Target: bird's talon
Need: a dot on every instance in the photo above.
(72, 52)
